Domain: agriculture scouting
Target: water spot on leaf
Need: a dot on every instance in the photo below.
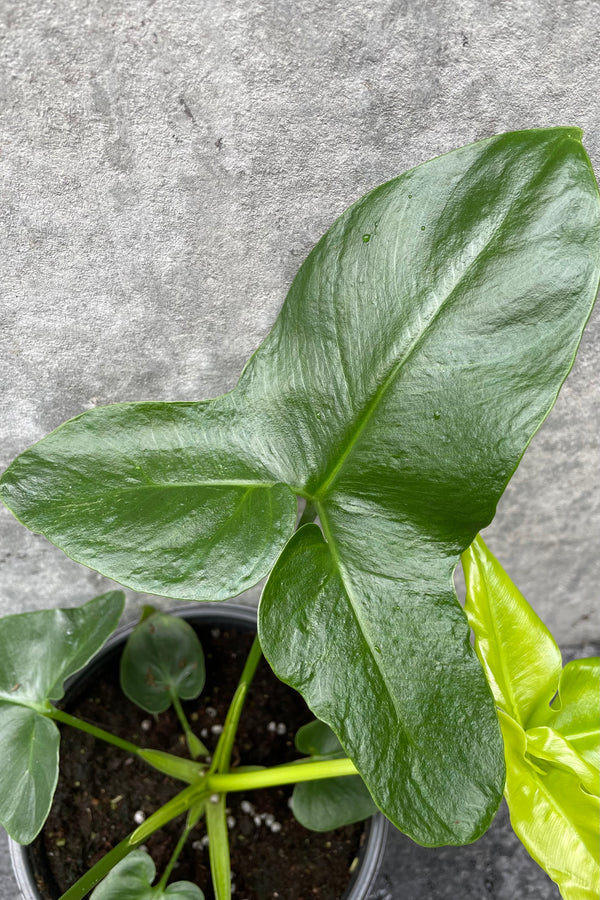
(366, 238)
(437, 414)
(422, 228)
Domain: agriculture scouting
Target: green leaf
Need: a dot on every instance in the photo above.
(575, 711)
(132, 877)
(397, 391)
(520, 657)
(554, 817)
(162, 658)
(29, 771)
(329, 802)
(332, 802)
(38, 651)
(317, 739)
(552, 748)
(160, 495)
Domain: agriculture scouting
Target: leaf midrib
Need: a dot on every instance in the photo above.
(365, 416)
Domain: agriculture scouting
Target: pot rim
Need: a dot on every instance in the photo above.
(371, 853)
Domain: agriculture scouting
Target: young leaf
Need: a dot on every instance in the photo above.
(162, 659)
(520, 657)
(397, 391)
(38, 651)
(131, 879)
(329, 802)
(554, 817)
(552, 748)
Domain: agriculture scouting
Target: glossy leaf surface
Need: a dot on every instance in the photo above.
(421, 345)
(131, 879)
(38, 651)
(329, 802)
(552, 743)
(162, 658)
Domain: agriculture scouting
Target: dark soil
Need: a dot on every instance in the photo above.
(102, 788)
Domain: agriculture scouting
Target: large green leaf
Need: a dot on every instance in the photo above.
(422, 343)
(38, 651)
(550, 724)
(132, 877)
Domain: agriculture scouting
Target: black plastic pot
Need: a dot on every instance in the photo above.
(219, 615)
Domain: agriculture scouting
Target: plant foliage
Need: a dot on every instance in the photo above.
(421, 345)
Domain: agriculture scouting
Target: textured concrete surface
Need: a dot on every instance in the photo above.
(166, 165)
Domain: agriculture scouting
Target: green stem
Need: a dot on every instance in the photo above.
(60, 715)
(195, 745)
(287, 774)
(174, 857)
(222, 755)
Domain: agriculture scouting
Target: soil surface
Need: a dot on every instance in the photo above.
(103, 792)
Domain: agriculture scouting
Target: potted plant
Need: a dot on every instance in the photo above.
(421, 345)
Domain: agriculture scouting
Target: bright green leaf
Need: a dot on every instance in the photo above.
(552, 748)
(397, 391)
(329, 802)
(575, 711)
(554, 817)
(162, 658)
(520, 657)
(38, 651)
(132, 877)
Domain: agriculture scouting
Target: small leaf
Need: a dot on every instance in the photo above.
(332, 802)
(329, 802)
(132, 877)
(38, 651)
(317, 739)
(162, 658)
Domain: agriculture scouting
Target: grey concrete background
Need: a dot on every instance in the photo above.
(166, 166)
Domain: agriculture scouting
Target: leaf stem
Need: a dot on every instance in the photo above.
(60, 715)
(222, 755)
(195, 745)
(277, 775)
(163, 762)
(174, 857)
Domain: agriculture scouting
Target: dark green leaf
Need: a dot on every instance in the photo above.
(397, 392)
(317, 739)
(131, 879)
(329, 802)
(162, 658)
(332, 802)
(159, 495)
(38, 651)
